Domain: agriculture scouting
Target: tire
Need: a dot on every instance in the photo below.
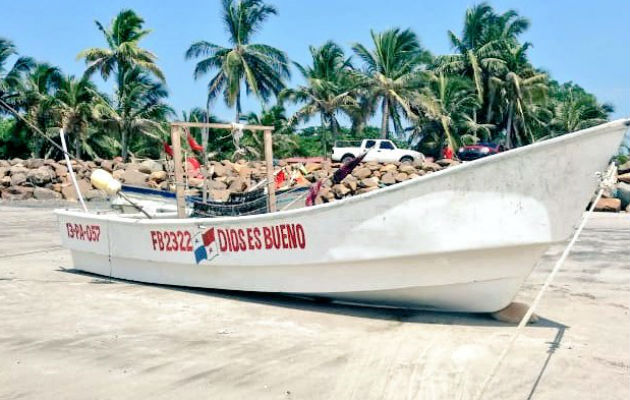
(406, 159)
(346, 158)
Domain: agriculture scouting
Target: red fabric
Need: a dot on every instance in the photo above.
(312, 193)
(281, 177)
(193, 164)
(168, 150)
(193, 144)
(448, 153)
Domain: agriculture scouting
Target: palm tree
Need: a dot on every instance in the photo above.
(72, 106)
(328, 88)
(37, 91)
(11, 78)
(522, 91)
(260, 67)
(392, 72)
(140, 111)
(445, 105)
(284, 144)
(483, 31)
(122, 55)
(574, 110)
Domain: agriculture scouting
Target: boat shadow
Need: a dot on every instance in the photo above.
(328, 306)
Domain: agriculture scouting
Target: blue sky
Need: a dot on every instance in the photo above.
(587, 42)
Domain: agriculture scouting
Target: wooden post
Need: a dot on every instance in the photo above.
(271, 182)
(179, 172)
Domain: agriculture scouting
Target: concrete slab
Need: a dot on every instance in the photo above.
(65, 335)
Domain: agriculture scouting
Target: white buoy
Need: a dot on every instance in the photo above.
(103, 180)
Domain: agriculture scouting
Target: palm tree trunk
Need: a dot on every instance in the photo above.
(334, 127)
(238, 108)
(205, 133)
(490, 104)
(358, 125)
(385, 121)
(121, 87)
(508, 139)
(323, 135)
(77, 145)
(124, 144)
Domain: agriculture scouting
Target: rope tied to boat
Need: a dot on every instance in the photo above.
(607, 181)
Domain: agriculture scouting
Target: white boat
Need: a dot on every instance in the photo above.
(461, 239)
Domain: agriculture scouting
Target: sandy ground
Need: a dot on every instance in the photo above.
(67, 335)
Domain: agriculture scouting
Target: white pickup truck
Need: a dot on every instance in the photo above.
(380, 150)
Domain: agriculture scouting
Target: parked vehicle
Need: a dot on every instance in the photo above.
(380, 150)
(479, 150)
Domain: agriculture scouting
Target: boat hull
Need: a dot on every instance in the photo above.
(462, 239)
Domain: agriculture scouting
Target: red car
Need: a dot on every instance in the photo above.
(479, 150)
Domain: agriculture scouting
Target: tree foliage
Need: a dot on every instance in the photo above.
(486, 89)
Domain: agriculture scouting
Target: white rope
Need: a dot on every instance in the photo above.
(70, 170)
(607, 181)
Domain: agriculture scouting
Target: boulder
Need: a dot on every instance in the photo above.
(244, 171)
(133, 177)
(41, 193)
(401, 176)
(351, 182)
(389, 178)
(219, 195)
(107, 165)
(361, 173)
(17, 193)
(369, 182)
(33, 163)
(4, 171)
(340, 190)
(68, 192)
(311, 167)
(5, 181)
(60, 170)
(608, 205)
(219, 169)
(41, 175)
(158, 176)
(431, 167)
(17, 161)
(407, 169)
(625, 178)
(217, 185)
(117, 174)
(95, 194)
(388, 168)
(18, 169)
(18, 178)
(195, 182)
(5, 164)
(326, 193)
(237, 185)
(148, 166)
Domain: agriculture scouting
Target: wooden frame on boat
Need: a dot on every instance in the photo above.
(177, 127)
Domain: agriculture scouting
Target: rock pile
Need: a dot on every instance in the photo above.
(49, 180)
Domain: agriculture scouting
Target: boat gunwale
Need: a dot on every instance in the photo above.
(461, 168)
